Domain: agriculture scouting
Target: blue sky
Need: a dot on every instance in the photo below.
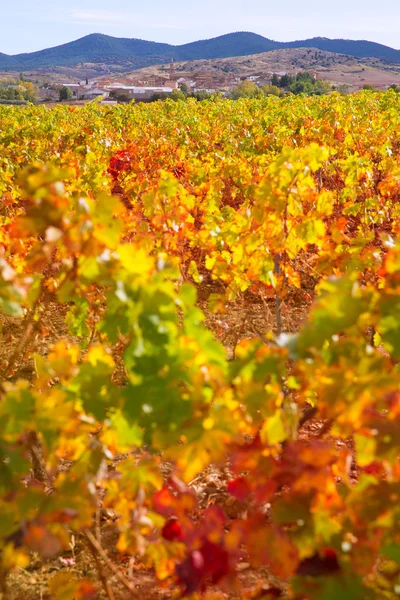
(29, 25)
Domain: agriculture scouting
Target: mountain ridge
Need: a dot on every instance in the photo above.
(136, 53)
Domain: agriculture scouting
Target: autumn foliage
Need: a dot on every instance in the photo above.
(121, 218)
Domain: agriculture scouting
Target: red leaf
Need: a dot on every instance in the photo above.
(315, 565)
(206, 566)
(163, 503)
(239, 488)
(168, 505)
(270, 546)
(172, 530)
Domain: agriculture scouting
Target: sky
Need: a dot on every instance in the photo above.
(26, 26)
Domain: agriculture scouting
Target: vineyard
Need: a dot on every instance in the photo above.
(200, 349)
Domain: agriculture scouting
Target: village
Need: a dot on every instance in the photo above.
(286, 72)
(154, 86)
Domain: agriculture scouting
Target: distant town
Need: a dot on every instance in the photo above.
(155, 86)
(168, 81)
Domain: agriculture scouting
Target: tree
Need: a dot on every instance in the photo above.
(246, 89)
(177, 95)
(272, 90)
(275, 80)
(305, 76)
(321, 86)
(202, 95)
(65, 93)
(28, 90)
(185, 89)
(8, 93)
(343, 88)
(286, 81)
(301, 87)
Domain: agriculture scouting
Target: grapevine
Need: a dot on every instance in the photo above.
(131, 238)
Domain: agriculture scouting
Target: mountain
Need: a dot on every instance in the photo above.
(99, 48)
(126, 53)
(232, 44)
(95, 47)
(359, 48)
(7, 62)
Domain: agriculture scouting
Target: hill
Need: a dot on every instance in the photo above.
(8, 62)
(339, 69)
(95, 47)
(224, 46)
(128, 54)
(359, 48)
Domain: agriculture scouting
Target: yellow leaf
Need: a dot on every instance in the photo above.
(273, 431)
(11, 557)
(210, 262)
(135, 260)
(238, 254)
(98, 354)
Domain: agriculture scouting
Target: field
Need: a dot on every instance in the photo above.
(200, 320)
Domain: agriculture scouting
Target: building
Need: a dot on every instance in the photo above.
(132, 92)
(172, 83)
(73, 87)
(203, 89)
(265, 79)
(92, 93)
(48, 95)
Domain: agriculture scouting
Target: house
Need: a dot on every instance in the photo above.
(204, 89)
(132, 92)
(172, 83)
(92, 93)
(264, 80)
(48, 95)
(73, 87)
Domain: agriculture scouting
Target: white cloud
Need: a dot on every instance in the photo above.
(103, 16)
(115, 18)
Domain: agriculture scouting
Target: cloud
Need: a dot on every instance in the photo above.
(114, 18)
(101, 16)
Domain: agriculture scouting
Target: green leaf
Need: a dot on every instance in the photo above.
(11, 308)
(128, 435)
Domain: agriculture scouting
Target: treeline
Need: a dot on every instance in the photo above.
(302, 83)
(183, 93)
(15, 91)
